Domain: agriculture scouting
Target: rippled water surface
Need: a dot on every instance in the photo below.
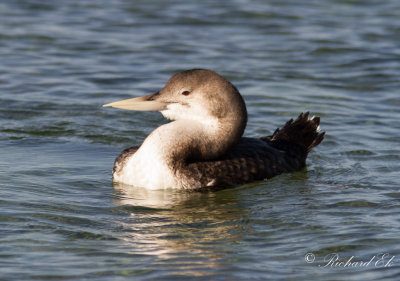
(62, 219)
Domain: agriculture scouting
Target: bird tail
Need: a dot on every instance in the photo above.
(303, 132)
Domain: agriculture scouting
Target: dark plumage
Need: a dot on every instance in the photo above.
(258, 159)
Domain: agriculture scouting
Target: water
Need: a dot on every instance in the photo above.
(60, 215)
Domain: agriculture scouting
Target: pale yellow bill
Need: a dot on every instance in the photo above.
(139, 104)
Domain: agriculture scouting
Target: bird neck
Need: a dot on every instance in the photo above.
(183, 141)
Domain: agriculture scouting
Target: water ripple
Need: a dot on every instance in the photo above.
(62, 60)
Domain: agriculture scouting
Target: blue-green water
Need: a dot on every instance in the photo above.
(62, 219)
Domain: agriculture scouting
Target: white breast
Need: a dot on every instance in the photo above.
(146, 168)
(152, 165)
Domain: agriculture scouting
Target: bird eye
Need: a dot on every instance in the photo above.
(185, 93)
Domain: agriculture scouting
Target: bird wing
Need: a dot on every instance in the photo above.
(257, 159)
(250, 160)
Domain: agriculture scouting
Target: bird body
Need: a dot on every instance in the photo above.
(203, 146)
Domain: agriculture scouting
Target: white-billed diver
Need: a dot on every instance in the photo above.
(203, 146)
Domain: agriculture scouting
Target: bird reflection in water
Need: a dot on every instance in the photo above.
(196, 230)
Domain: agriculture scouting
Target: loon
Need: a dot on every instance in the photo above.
(203, 147)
